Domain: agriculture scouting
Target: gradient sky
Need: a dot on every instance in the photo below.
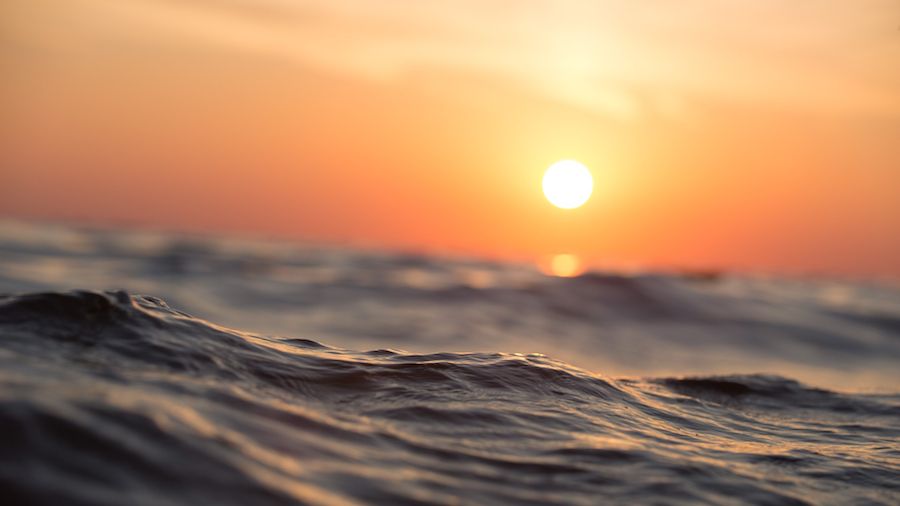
(761, 135)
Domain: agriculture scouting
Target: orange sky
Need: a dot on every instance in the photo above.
(757, 135)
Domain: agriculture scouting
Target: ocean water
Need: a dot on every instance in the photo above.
(279, 373)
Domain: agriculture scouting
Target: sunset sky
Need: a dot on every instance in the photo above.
(757, 135)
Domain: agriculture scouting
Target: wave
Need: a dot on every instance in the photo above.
(839, 334)
(111, 398)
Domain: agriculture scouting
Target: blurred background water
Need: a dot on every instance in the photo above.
(839, 334)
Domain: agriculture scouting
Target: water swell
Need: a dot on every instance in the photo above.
(109, 398)
(838, 334)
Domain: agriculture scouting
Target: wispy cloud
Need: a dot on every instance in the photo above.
(618, 58)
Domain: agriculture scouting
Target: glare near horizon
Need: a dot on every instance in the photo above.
(758, 135)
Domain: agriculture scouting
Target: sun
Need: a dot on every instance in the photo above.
(568, 184)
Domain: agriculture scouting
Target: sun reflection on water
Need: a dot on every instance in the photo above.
(565, 265)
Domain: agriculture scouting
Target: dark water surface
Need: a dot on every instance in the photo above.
(114, 398)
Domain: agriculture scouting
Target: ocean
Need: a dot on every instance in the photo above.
(155, 368)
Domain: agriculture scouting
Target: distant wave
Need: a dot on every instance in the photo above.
(109, 398)
(840, 334)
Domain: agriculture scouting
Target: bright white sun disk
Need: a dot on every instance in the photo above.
(568, 184)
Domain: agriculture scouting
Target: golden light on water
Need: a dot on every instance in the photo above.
(568, 184)
(565, 265)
